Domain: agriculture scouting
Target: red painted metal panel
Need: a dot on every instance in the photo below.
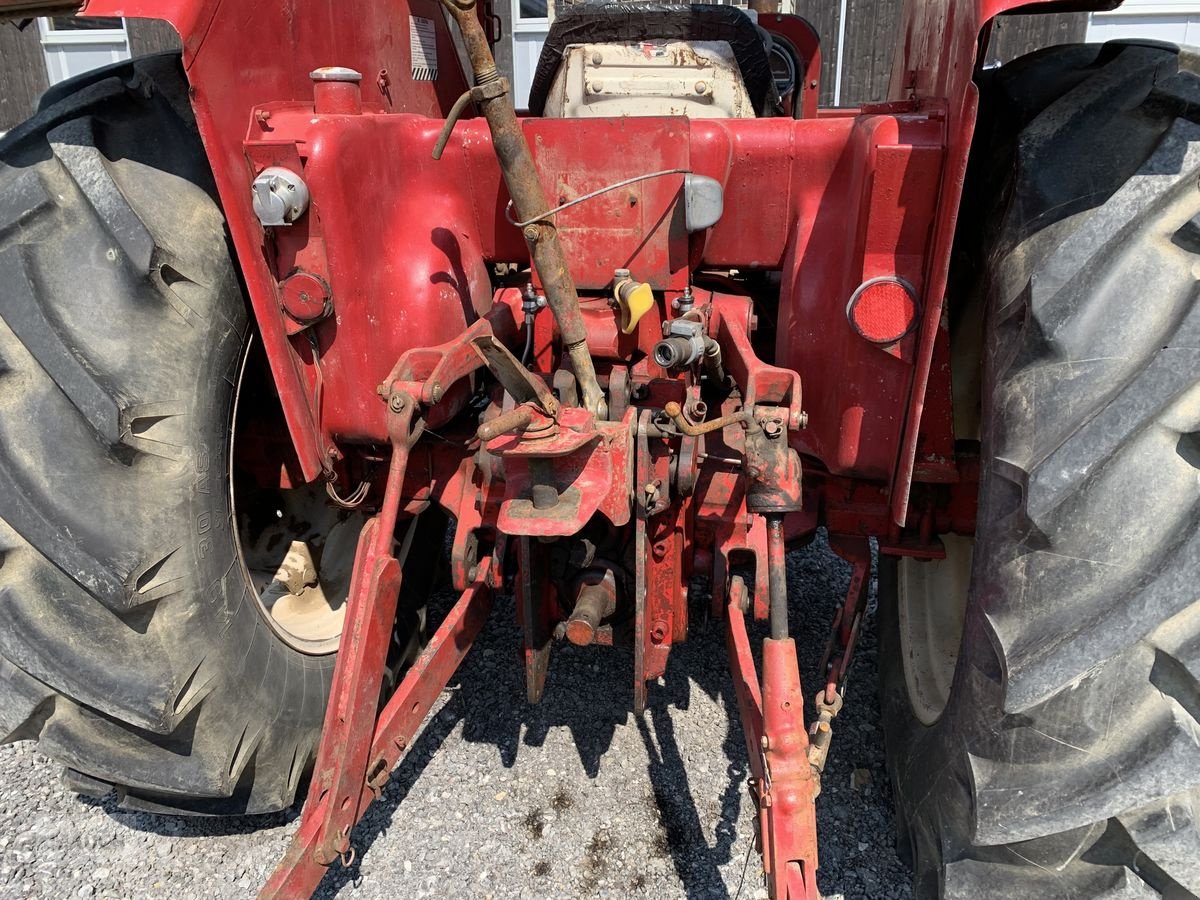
(242, 56)
(638, 227)
(935, 61)
(834, 201)
(871, 220)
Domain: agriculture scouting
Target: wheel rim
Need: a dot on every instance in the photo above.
(932, 604)
(295, 549)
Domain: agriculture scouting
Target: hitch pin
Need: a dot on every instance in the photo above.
(516, 419)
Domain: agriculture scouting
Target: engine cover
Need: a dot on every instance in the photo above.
(698, 79)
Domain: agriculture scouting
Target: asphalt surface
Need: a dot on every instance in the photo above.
(576, 797)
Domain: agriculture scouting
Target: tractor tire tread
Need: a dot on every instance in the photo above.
(120, 315)
(1072, 736)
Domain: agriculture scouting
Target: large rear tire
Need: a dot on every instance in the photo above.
(132, 644)
(1059, 754)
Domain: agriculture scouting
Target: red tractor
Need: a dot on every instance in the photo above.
(286, 315)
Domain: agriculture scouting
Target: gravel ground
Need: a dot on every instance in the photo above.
(574, 797)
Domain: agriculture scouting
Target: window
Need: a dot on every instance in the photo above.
(74, 45)
(76, 23)
(533, 10)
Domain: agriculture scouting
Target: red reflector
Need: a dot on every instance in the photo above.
(883, 310)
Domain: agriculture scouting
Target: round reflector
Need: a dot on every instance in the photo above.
(883, 310)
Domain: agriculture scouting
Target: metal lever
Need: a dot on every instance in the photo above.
(515, 378)
(529, 201)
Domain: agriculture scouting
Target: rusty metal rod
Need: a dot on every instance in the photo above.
(529, 200)
(675, 412)
(590, 605)
(777, 575)
(516, 419)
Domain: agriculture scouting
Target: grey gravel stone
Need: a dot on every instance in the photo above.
(574, 797)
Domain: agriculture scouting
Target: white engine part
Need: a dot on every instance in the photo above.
(698, 79)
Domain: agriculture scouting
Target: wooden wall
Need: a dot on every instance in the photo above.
(1014, 36)
(22, 72)
(872, 29)
(150, 36)
(823, 16)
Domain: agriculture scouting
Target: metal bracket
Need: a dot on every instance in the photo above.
(519, 382)
(490, 90)
(536, 628)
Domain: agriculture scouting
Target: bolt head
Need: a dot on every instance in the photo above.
(701, 87)
(396, 403)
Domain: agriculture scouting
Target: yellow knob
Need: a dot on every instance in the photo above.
(635, 300)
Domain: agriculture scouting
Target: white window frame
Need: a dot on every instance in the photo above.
(1153, 8)
(51, 37)
(57, 45)
(520, 24)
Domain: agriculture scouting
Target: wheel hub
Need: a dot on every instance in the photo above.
(932, 598)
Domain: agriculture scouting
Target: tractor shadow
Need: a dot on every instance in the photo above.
(589, 693)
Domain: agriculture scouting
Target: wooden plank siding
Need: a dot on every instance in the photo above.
(148, 36)
(871, 30)
(22, 72)
(1014, 36)
(872, 27)
(823, 15)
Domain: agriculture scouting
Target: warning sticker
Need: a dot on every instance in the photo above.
(422, 42)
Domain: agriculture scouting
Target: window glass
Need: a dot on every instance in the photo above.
(534, 9)
(98, 23)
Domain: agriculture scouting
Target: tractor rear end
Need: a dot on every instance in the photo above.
(669, 322)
